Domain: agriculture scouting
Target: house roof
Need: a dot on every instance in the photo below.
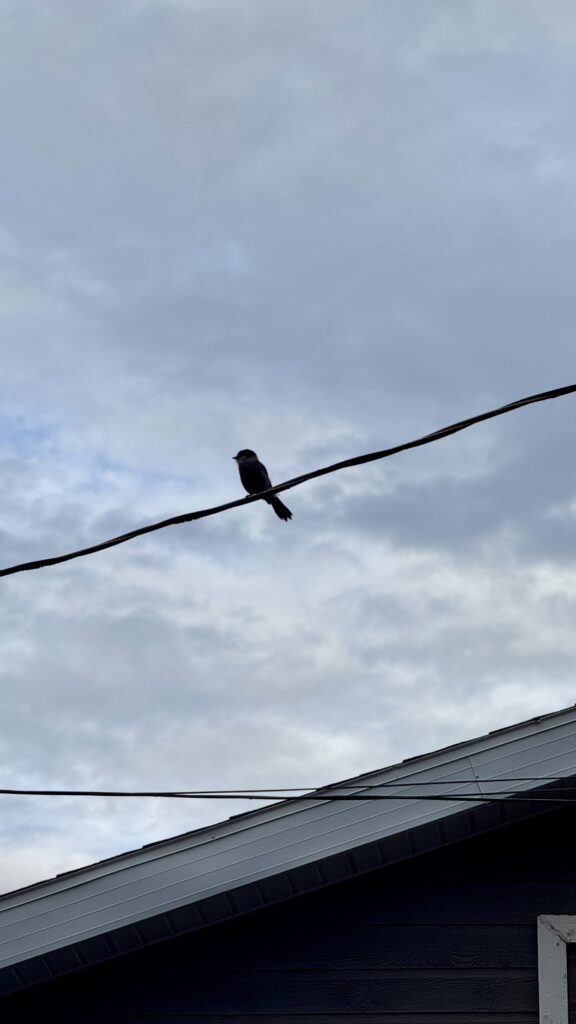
(280, 850)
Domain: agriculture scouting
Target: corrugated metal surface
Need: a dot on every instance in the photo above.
(263, 843)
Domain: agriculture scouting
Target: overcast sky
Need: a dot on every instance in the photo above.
(312, 228)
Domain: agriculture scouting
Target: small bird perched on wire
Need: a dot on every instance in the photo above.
(254, 477)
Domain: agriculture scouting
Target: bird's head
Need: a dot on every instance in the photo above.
(245, 455)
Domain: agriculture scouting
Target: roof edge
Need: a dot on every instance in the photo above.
(280, 888)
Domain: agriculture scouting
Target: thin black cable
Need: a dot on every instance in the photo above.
(358, 460)
(498, 797)
(360, 790)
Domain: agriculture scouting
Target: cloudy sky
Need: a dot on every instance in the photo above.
(312, 228)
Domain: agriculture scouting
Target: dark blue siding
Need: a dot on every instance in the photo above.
(446, 938)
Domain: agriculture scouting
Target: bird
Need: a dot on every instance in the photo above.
(254, 477)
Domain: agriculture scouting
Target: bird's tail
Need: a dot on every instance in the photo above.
(280, 508)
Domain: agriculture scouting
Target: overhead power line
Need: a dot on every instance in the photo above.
(358, 460)
(297, 796)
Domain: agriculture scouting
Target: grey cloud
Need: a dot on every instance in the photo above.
(314, 230)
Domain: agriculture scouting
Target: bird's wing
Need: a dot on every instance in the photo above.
(254, 477)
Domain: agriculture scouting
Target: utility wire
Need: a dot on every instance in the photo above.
(358, 460)
(498, 797)
(360, 791)
(358, 787)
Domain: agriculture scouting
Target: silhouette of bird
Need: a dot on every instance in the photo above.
(254, 477)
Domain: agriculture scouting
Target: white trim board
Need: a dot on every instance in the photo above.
(555, 931)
